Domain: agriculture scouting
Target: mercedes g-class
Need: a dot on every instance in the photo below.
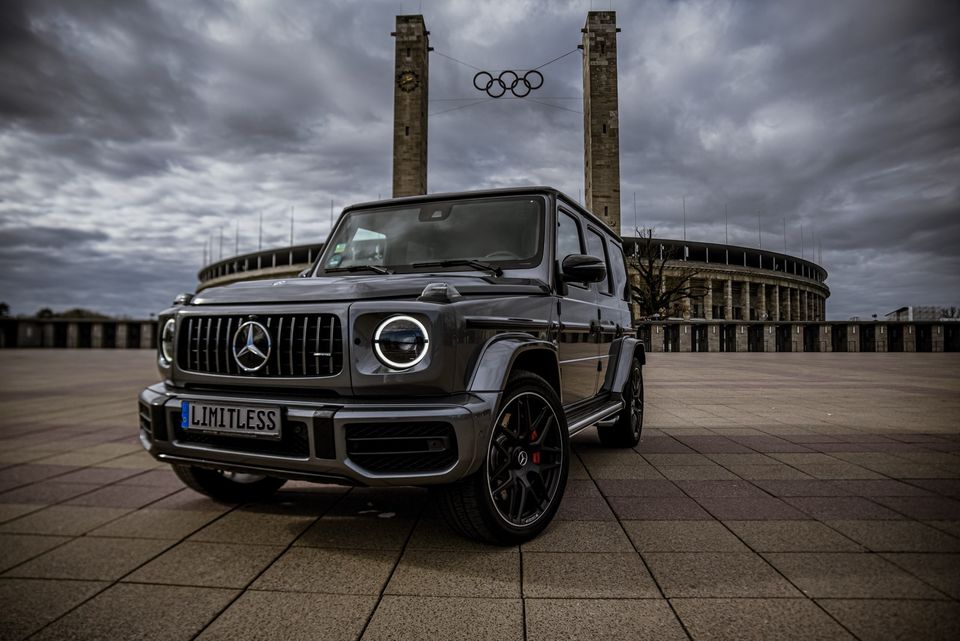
(455, 341)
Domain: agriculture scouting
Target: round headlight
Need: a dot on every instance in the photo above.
(401, 342)
(167, 347)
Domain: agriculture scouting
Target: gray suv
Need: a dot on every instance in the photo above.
(455, 341)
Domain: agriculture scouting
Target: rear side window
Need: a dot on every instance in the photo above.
(568, 236)
(595, 247)
(619, 270)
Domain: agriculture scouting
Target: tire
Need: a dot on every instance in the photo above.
(518, 488)
(228, 487)
(626, 431)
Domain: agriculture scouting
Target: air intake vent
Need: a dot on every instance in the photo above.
(402, 447)
(299, 346)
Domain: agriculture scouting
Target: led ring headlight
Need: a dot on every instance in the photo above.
(401, 342)
(166, 341)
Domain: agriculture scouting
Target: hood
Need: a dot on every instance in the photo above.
(362, 287)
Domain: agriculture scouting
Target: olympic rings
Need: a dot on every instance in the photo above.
(508, 80)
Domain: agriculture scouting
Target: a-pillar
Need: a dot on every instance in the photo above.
(728, 299)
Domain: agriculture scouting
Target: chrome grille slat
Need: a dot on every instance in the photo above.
(205, 340)
(293, 332)
(216, 350)
(303, 347)
(316, 346)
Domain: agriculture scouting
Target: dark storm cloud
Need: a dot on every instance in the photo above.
(132, 133)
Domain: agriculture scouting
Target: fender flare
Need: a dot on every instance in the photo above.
(496, 360)
(622, 353)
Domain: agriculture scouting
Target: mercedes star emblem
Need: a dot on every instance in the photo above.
(251, 346)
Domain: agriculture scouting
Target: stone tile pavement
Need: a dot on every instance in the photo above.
(774, 496)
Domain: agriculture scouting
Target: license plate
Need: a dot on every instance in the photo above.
(235, 420)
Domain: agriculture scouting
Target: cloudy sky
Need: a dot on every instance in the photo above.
(131, 132)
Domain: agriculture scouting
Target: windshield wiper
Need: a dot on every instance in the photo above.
(466, 262)
(358, 268)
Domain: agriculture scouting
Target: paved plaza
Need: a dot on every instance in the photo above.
(773, 496)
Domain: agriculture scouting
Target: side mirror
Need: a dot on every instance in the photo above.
(580, 268)
(305, 273)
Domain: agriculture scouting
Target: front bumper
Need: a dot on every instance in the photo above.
(328, 440)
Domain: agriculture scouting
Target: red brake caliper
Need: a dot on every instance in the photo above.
(534, 456)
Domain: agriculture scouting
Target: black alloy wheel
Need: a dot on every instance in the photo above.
(525, 459)
(520, 483)
(625, 432)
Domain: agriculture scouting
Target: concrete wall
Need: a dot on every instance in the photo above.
(78, 333)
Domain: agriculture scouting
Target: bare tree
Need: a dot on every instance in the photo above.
(657, 294)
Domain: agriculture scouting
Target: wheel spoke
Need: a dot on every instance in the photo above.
(511, 480)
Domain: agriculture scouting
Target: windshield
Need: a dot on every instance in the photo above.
(502, 232)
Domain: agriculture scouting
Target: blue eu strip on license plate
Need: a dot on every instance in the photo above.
(239, 420)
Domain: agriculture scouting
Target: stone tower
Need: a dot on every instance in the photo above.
(410, 106)
(601, 128)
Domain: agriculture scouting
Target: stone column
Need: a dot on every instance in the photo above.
(762, 300)
(775, 311)
(96, 335)
(601, 123)
(853, 338)
(656, 338)
(121, 335)
(708, 300)
(787, 307)
(146, 335)
(713, 338)
(410, 102)
(745, 298)
(685, 306)
(686, 338)
(741, 339)
(769, 338)
(728, 299)
(73, 335)
(909, 338)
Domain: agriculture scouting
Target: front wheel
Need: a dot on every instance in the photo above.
(518, 488)
(230, 487)
(625, 432)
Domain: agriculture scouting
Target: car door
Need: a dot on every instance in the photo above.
(609, 313)
(577, 307)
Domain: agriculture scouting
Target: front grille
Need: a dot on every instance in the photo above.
(402, 447)
(301, 345)
(293, 441)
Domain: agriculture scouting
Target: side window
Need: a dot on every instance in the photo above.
(595, 247)
(619, 270)
(568, 236)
